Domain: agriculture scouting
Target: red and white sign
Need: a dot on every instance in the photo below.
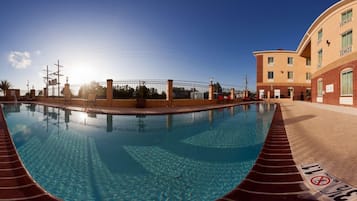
(320, 180)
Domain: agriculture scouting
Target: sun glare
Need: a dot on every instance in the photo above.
(81, 73)
(83, 117)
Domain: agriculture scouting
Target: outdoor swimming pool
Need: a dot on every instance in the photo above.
(193, 156)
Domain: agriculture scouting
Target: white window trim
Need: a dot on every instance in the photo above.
(345, 71)
(292, 61)
(307, 62)
(291, 79)
(271, 64)
(270, 79)
(308, 78)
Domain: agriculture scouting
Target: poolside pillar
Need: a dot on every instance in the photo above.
(210, 92)
(109, 92)
(109, 123)
(210, 116)
(232, 94)
(66, 92)
(32, 93)
(169, 121)
(245, 94)
(45, 92)
(169, 92)
(268, 96)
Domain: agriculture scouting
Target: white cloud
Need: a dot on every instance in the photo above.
(20, 60)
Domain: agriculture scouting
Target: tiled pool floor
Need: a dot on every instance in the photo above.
(15, 182)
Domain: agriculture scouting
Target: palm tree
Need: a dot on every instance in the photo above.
(4, 86)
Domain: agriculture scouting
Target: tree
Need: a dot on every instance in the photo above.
(4, 86)
(217, 88)
(123, 91)
(92, 88)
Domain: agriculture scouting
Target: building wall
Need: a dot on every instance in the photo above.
(299, 91)
(331, 42)
(280, 67)
(333, 78)
(259, 59)
(334, 57)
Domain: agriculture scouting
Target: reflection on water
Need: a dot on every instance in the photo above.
(88, 156)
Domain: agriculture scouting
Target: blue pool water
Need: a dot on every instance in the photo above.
(193, 156)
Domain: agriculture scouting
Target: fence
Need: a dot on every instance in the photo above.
(151, 89)
(148, 89)
(190, 89)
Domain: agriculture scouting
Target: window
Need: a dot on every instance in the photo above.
(346, 43)
(346, 17)
(290, 61)
(319, 58)
(347, 82)
(270, 60)
(319, 36)
(290, 75)
(270, 75)
(308, 61)
(319, 87)
(308, 93)
(290, 91)
(308, 76)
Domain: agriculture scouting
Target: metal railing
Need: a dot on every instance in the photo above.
(190, 89)
(150, 89)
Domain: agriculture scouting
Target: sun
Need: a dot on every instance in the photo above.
(81, 73)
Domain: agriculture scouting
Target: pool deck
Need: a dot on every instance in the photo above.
(274, 176)
(324, 134)
(15, 182)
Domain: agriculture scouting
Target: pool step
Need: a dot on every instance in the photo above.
(15, 182)
(274, 177)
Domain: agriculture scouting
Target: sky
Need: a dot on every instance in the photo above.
(194, 40)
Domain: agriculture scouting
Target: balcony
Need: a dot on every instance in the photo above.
(343, 22)
(345, 51)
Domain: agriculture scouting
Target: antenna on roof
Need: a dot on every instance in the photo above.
(246, 82)
(58, 76)
(46, 79)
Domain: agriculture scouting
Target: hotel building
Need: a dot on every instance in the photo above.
(322, 68)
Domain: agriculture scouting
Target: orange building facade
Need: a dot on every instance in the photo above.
(322, 68)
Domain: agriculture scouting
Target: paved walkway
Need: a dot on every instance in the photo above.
(324, 134)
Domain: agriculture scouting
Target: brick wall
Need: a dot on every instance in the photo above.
(333, 77)
(259, 68)
(284, 93)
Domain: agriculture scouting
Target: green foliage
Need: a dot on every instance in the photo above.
(122, 92)
(126, 92)
(217, 88)
(4, 86)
